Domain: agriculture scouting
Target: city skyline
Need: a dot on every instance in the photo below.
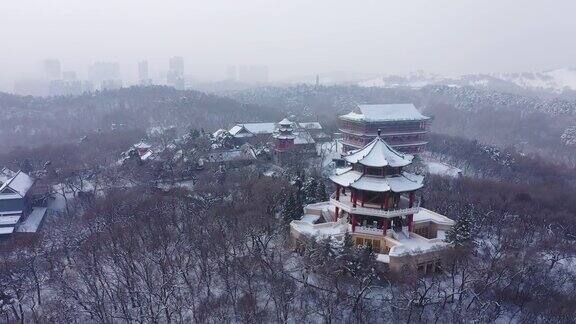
(292, 38)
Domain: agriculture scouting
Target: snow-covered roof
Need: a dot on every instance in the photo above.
(385, 112)
(19, 184)
(303, 138)
(33, 221)
(6, 230)
(6, 174)
(142, 145)
(10, 219)
(309, 218)
(426, 215)
(405, 182)
(260, 128)
(219, 132)
(347, 178)
(311, 125)
(146, 155)
(398, 183)
(285, 122)
(378, 154)
(251, 129)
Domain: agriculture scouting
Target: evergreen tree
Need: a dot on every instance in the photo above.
(292, 208)
(321, 192)
(462, 233)
(309, 190)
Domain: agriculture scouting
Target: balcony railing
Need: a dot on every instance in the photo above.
(360, 144)
(370, 133)
(374, 210)
(368, 230)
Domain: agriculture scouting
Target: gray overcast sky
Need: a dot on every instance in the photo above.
(293, 37)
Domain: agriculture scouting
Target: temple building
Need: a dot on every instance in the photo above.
(21, 205)
(376, 202)
(307, 134)
(284, 136)
(402, 126)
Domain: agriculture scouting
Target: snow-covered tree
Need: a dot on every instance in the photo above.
(463, 232)
(569, 136)
(308, 191)
(321, 192)
(292, 208)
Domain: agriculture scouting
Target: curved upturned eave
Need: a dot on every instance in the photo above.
(378, 154)
(404, 182)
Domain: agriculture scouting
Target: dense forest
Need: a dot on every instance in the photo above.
(34, 121)
(136, 246)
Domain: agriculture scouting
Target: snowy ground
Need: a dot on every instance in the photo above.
(438, 167)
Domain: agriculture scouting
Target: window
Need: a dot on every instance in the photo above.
(376, 245)
(359, 241)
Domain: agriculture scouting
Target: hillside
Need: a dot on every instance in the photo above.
(32, 121)
(532, 125)
(553, 81)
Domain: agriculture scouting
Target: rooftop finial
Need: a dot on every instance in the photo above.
(379, 132)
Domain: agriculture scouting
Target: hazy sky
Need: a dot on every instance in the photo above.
(292, 37)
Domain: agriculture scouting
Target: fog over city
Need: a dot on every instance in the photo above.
(292, 38)
(293, 161)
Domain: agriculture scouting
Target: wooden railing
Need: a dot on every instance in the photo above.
(348, 206)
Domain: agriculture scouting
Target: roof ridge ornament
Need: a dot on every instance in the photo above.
(379, 132)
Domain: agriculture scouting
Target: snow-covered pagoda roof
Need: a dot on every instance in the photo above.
(385, 112)
(397, 183)
(285, 122)
(378, 154)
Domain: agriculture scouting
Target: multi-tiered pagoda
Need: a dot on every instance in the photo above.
(403, 127)
(375, 201)
(376, 192)
(284, 136)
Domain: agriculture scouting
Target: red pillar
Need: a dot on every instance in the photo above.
(353, 223)
(411, 199)
(386, 201)
(337, 192)
(410, 221)
(354, 197)
(337, 212)
(362, 197)
(385, 225)
(382, 199)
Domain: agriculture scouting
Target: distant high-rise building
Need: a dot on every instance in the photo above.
(69, 75)
(100, 71)
(111, 84)
(176, 65)
(106, 74)
(254, 74)
(52, 69)
(231, 73)
(175, 76)
(143, 75)
(65, 88)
